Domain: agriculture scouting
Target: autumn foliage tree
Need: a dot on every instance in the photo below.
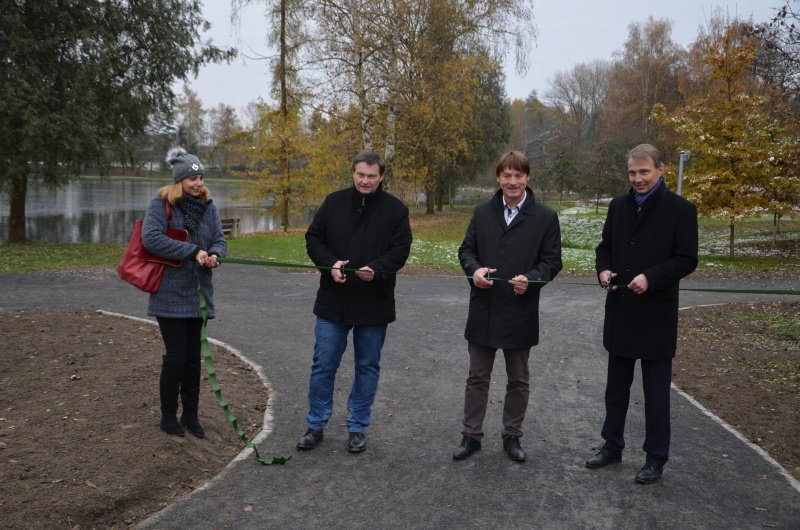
(738, 145)
(644, 73)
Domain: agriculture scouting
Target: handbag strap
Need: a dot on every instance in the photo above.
(168, 210)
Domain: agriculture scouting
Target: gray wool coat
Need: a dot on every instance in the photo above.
(177, 296)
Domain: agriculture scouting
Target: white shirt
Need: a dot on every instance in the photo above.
(511, 212)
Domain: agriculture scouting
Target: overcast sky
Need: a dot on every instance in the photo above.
(568, 33)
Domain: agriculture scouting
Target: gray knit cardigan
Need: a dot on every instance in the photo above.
(177, 295)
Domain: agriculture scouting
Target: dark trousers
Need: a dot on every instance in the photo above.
(180, 367)
(476, 394)
(656, 379)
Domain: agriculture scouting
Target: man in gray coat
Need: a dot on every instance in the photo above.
(511, 249)
(649, 243)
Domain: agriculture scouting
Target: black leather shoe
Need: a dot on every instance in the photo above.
(514, 450)
(467, 447)
(604, 457)
(310, 439)
(650, 473)
(356, 442)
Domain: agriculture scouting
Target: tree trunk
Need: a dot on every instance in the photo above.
(429, 200)
(16, 217)
(730, 242)
(285, 119)
(285, 212)
(388, 153)
(363, 102)
(597, 200)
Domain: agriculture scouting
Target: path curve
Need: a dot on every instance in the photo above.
(407, 478)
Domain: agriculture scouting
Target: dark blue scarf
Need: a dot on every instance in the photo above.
(641, 198)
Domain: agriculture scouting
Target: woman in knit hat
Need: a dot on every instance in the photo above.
(184, 204)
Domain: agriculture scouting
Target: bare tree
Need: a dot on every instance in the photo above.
(581, 93)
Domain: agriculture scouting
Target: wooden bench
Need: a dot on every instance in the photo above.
(230, 227)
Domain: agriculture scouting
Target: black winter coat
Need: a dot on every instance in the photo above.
(531, 245)
(660, 241)
(370, 230)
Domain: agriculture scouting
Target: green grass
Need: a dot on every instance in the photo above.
(788, 326)
(436, 241)
(31, 257)
(749, 264)
(272, 246)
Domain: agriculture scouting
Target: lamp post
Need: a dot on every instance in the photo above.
(685, 154)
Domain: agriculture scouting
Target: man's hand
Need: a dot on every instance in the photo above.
(201, 257)
(605, 278)
(337, 273)
(479, 278)
(519, 283)
(639, 284)
(366, 274)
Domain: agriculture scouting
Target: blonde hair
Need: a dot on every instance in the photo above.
(172, 193)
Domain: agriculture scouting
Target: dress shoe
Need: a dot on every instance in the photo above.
(650, 473)
(356, 442)
(604, 457)
(310, 439)
(467, 447)
(514, 450)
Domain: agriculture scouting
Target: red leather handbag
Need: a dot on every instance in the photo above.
(140, 268)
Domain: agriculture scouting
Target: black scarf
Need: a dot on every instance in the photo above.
(193, 209)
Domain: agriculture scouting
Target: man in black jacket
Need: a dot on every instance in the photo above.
(649, 243)
(360, 238)
(511, 249)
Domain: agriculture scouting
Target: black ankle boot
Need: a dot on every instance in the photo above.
(170, 425)
(192, 424)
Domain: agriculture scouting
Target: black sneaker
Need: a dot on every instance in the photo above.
(356, 442)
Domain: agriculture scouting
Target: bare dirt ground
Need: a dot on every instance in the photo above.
(80, 445)
(742, 362)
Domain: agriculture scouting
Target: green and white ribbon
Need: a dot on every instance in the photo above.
(212, 378)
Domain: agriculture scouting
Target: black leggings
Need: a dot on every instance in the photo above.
(181, 340)
(180, 369)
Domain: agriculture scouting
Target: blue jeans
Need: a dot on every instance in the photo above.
(331, 341)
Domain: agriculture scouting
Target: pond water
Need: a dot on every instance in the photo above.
(94, 210)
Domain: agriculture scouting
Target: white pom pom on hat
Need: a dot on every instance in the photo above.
(183, 164)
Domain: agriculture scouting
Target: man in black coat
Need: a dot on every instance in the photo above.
(649, 243)
(360, 238)
(511, 249)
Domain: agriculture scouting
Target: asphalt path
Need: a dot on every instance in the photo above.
(407, 478)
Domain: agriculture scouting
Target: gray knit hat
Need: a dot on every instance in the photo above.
(183, 164)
